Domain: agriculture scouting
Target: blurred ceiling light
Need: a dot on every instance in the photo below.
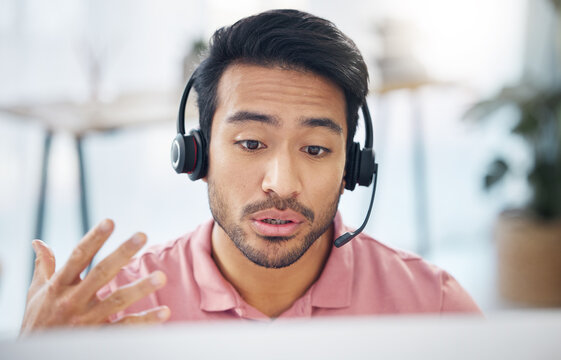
(463, 40)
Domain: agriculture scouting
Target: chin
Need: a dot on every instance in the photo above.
(274, 252)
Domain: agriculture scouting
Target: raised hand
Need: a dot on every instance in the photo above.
(64, 299)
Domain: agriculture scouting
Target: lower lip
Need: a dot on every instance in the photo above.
(284, 230)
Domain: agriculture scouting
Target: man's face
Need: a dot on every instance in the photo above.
(276, 160)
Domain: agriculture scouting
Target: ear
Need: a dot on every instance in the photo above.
(343, 183)
(205, 179)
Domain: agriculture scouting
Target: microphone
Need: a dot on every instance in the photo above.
(348, 236)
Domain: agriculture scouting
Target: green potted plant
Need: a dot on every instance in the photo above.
(528, 239)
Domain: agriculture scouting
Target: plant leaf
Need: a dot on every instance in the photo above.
(515, 95)
(497, 170)
(528, 123)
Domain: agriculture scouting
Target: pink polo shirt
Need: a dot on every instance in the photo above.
(364, 277)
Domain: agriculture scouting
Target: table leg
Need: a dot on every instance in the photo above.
(40, 219)
(420, 176)
(83, 189)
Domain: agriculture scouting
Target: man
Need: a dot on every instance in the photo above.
(278, 98)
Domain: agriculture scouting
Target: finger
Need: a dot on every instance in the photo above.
(108, 268)
(44, 262)
(44, 266)
(152, 316)
(125, 296)
(83, 254)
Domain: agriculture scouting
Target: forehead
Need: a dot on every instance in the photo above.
(287, 94)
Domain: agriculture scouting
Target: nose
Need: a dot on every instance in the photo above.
(282, 176)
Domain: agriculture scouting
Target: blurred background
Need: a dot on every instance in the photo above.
(89, 91)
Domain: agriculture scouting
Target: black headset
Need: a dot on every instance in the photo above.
(189, 156)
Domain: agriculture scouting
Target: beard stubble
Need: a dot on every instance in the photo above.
(275, 255)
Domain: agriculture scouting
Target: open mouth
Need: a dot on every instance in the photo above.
(276, 221)
(275, 227)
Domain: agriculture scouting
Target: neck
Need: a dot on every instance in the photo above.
(271, 291)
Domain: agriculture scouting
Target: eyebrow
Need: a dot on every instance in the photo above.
(245, 116)
(322, 122)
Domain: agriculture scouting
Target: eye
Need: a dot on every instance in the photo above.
(250, 145)
(315, 150)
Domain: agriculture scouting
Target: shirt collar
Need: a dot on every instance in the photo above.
(217, 294)
(333, 289)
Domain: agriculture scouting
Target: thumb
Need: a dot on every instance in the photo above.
(44, 261)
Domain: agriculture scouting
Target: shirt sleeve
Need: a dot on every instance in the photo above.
(454, 298)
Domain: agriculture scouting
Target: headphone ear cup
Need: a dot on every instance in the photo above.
(367, 167)
(199, 168)
(179, 153)
(352, 166)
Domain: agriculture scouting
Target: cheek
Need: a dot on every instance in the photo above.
(220, 160)
(325, 184)
(228, 172)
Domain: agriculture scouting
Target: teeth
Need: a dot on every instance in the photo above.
(276, 221)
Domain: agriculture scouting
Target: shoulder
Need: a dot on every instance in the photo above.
(166, 257)
(173, 254)
(409, 279)
(158, 256)
(393, 265)
(366, 248)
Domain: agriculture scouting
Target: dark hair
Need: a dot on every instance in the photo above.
(291, 39)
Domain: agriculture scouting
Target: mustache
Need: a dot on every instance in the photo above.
(279, 204)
